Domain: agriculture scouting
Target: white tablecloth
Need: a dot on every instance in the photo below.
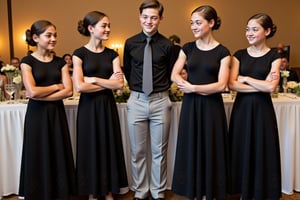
(11, 136)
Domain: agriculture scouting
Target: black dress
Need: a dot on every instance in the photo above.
(255, 155)
(47, 169)
(201, 155)
(100, 164)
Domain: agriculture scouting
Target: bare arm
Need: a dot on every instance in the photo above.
(93, 84)
(39, 92)
(178, 66)
(248, 84)
(78, 78)
(116, 81)
(65, 91)
(206, 89)
(234, 83)
(4, 82)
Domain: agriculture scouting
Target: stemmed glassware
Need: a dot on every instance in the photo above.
(10, 89)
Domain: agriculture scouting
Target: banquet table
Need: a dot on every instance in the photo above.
(287, 109)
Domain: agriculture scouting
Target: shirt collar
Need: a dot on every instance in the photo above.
(144, 36)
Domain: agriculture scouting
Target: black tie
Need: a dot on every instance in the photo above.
(147, 69)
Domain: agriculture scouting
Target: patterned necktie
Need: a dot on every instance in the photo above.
(147, 69)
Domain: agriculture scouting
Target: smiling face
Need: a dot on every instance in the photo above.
(255, 33)
(150, 20)
(101, 30)
(200, 26)
(47, 39)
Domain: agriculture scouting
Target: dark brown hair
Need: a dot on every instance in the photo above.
(37, 28)
(92, 18)
(266, 22)
(152, 4)
(209, 13)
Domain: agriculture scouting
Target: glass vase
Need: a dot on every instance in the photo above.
(17, 95)
(284, 84)
(10, 77)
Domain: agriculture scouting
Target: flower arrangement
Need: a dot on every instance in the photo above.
(175, 93)
(121, 96)
(285, 73)
(294, 86)
(17, 79)
(9, 71)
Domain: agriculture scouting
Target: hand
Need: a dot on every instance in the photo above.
(117, 76)
(185, 86)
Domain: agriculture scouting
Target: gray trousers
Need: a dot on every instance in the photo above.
(149, 119)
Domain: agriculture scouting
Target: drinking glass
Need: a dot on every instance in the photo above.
(1, 86)
(10, 89)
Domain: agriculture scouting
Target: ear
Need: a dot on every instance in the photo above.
(267, 32)
(35, 38)
(211, 23)
(91, 28)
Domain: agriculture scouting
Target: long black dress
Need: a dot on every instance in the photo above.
(100, 165)
(255, 155)
(201, 155)
(47, 169)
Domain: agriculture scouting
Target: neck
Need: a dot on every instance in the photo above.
(260, 48)
(206, 43)
(43, 55)
(149, 34)
(95, 45)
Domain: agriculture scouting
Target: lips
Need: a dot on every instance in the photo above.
(148, 27)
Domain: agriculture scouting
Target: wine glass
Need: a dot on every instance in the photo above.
(10, 89)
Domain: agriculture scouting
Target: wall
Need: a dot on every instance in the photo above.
(4, 42)
(124, 21)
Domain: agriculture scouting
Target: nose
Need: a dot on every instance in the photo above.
(192, 26)
(249, 32)
(148, 20)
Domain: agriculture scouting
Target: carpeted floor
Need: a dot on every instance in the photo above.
(170, 196)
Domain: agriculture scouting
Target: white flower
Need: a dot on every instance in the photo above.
(292, 84)
(17, 79)
(285, 73)
(8, 68)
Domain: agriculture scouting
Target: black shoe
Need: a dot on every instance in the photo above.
(139, 198)
(158, 199)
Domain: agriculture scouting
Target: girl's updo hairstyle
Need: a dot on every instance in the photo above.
(209, 13)
(92, 18)
(266, 22)
(37, 28)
